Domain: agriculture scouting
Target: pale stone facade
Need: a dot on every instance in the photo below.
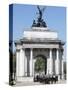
(39, 41)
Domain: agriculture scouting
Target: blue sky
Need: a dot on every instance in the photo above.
(23, 15)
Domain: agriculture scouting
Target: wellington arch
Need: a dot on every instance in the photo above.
(39, 41)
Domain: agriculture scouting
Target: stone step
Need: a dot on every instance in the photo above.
(24, 79)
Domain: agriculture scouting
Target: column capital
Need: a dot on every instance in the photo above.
(31, 48)
(17, 50)
(23, 48)
(50, 48)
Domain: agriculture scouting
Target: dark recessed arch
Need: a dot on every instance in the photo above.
(45, 61)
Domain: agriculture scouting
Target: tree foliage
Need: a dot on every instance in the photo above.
(40, 64)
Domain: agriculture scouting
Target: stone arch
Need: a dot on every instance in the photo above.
(44, 58)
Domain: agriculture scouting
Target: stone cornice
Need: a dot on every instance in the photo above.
(39, 41)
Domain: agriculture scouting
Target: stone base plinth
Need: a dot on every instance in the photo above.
(24, 79)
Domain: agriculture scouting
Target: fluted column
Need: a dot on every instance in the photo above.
(31, 62)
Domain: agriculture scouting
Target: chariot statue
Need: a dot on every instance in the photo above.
(40, 22)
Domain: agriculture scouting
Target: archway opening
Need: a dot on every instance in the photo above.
(40, 66)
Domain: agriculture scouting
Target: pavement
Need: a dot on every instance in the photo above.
(30, 83)
(61, 82)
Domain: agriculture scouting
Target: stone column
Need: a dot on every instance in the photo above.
(33, 66)
(25, 65)
(47, 66)
(22, 63)
(31, 62)
(62, 64)
(62, 69)
(50, 63)
(57, 68)
(17, 62)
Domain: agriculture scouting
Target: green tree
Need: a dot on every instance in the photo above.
(40, 64)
